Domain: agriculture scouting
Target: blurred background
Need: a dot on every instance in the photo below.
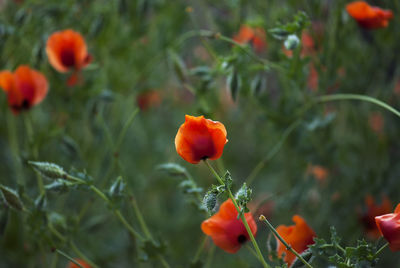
(171, 58)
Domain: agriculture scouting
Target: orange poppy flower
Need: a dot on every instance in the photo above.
(373, 210)
(298, 236)
(389, 227)
(200, 138)
(369, 17)
(376, 122)
(67, 51)
(148, 100)
(312, 80)
(81, 262)
(319, 172)
(226, 230)
(25, 87)
(256, 36)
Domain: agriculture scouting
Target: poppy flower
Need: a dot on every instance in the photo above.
(389, 227)
(25, 87)
(318, 172)
(226, 230)
(67, 51)
(148, 100)
(369, 17)
(376, 122)
(200, 138)
(373, 210)
(312, 80)
(298, 236)
(81, 262)
(255, 36)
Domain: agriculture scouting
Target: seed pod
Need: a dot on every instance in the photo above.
(49, 170)
(11, 198)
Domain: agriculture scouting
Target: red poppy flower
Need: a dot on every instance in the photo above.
(369, 17)
(199, 138)
(389, 227)
(226, 230)
(373, 210)
(67, 51)
(312, 80)
(256, 36)
(25, 87)
(298, 236)
(148, 99)
(376, 122)
(81, 262)
(318, 172)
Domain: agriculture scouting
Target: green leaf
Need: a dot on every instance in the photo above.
(172, 169)
(234, 83)
(117, 188)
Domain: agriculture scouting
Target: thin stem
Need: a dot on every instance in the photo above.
(56, 233)
(33, 148)
(288, 247)
(54, 261)
(117, 213)
(163, 261)
(335, 97)
(125, 128)
(200, 249)
(141, 220)
(381, 249)
(14, 146)
(127, 225)
(273, 152)
(81, 255)
(246, 225)
(68, 257)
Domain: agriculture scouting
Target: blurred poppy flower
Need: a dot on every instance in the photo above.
(369, 17)
(25, 87)
(67, 51)
(148, 99)
(389, 227)
(81, 262)
(318, 172)
(312, 80)
(373, 210)
(298, 236)
(255, 36)
(200, 138)
(226, 230)
(376, 122)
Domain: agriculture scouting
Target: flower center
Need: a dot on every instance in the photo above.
(241, 239)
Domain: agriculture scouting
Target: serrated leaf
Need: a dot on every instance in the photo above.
(172, 169)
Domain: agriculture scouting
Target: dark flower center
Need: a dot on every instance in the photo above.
(241, 239)
(68, 58)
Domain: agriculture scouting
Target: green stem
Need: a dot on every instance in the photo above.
(68, 257)
(246, 225)
(33, 149)
(335, 97)
(125, 128)
(81, 255)
(273, 152)
(141, 220)
(163, 261)
(127, 225)
(117, 213)
(288, 247)
(14, 146)
(54, 261)
(200, 249)
(381, 249)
